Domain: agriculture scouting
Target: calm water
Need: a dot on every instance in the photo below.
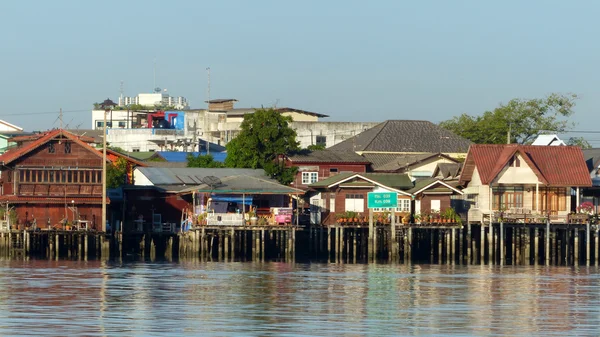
(282, 299)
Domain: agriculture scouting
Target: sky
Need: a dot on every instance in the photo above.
(352, 60)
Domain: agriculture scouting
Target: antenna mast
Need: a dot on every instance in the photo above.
(208, 108)
(60, 116)
(154, 73)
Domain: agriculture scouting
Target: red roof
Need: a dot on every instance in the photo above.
(16, 153)
(553, 165)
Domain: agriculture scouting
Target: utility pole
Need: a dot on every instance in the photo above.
(106, 105)
(508, 134)
(208, 108)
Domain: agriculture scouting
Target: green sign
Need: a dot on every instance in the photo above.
(382, 199)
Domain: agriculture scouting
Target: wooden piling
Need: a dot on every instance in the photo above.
(536, 247)
(587, 244)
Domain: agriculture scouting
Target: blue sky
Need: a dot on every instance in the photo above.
(353, 60)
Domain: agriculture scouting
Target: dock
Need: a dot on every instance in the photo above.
(443, 243)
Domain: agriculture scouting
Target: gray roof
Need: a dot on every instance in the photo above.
(192, 175)
(327, 156)
(448, 171)
(166, 164)
(393, 162)
(241, 184)
(403, 136)
(592, 158)
(243, 111)
(96, 134)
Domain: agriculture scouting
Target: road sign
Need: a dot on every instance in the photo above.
(382, 199)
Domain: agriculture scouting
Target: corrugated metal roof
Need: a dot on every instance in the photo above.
(393, 161)
(240, 184)
(393, 180)
(327, 156)
(192, 175)
(554, 165)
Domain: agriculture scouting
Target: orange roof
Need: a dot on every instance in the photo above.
(553, 165)
(16, 153)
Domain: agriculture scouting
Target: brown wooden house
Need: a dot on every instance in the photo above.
(51, 178)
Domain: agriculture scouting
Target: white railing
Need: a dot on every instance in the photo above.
(224, 219)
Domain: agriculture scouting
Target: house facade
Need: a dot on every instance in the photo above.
(52, 178)
(537, 180)
(348, 192)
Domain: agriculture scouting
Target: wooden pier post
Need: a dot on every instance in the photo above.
(501, 255)
(461, 254)
(262, 245)
(547, 250)
(453, 238)
(408, 240)
(536, 246)
(482, 245)
(392, 242)
(597, 244)
(448, 247)
(431, 246)
(57, 246)
(371, 239)
(576, 247)
(490, 236)
(468, 244)
(233, 242)
(587, 243)
(355, 232)
(440, 245)
(329, 244)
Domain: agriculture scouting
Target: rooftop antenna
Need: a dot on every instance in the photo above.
(208, 108)
(208, 89)
(121, 91)
(154, 72)
(60, 117)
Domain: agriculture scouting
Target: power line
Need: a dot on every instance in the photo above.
(43, 113)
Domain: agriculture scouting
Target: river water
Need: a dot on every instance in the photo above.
(95, 298)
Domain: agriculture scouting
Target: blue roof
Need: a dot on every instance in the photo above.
(181, 157)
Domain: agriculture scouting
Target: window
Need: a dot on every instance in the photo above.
(514, 162)
(67, 147)
(435, 205)
(473, 200)
(99, 125)
(403, 206)
(507, 197)
(51, 147)
(122, 124)
(136, 149)
(322, 140)
(355, 203)
(333, 170)
(552, 199)
(309, 177)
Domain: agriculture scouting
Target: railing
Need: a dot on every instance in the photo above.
(224, 219)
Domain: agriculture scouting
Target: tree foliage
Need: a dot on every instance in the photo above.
(315, 147)
(523, 118)
(116, 173)
(206, 160)
(265, 135)
(579, 141)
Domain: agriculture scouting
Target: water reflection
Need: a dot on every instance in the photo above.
(96, 298)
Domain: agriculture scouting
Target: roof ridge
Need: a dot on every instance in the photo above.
(376, 135)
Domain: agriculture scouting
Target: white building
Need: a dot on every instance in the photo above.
(219, 124)
(153, 99)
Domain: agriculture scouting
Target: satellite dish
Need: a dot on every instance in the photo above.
(157, 89)
(211, 181)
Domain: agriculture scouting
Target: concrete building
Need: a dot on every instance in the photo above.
(153, 99)
(189, 130)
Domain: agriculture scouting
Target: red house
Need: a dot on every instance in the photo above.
(314, 166)
(52, 177)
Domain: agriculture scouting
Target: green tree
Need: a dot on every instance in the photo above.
(523, 119)
(116, 173)
(315, 147)
(206, 160)
(579, 141)
(264, 137)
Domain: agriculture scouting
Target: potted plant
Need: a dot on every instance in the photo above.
(417, 218)
(252, 215)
